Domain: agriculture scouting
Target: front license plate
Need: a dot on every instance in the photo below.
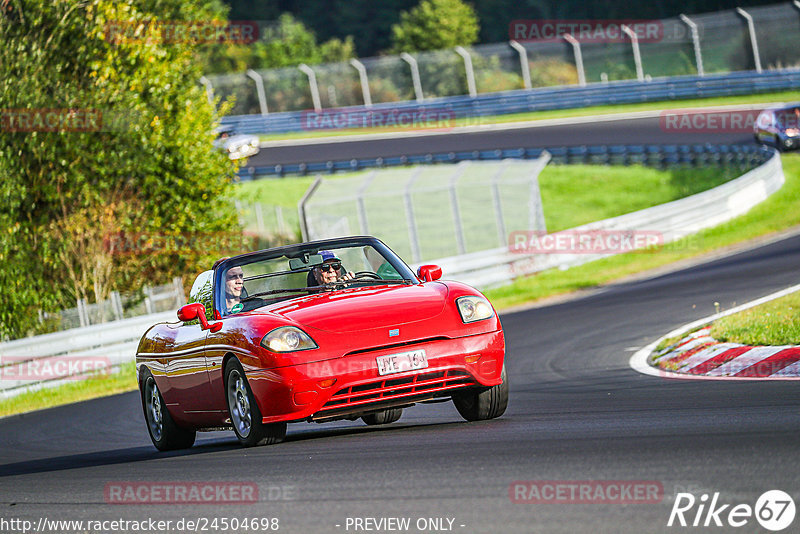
(405, 361)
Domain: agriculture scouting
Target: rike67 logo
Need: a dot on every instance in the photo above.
(774, 510)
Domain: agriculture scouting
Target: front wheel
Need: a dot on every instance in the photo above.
(244, 412)
(164, 433)
(482, 404)
(383, 418)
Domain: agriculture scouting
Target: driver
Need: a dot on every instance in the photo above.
(330, 270)
(234, 282)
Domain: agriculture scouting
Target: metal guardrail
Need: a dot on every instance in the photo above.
(671, 221)
(651, 155)
(52, 359)
(543, 99)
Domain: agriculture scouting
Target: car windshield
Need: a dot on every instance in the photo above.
(305, 270)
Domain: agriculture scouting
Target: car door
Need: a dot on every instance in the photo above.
(186, 370)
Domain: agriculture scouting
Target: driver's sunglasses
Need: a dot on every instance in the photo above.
(333, 266)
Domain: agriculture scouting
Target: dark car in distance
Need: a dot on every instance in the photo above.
(779, 126)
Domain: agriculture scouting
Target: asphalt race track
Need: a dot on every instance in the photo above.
(623, 131)
(577, 413)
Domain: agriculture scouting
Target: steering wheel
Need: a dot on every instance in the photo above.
(365, 274)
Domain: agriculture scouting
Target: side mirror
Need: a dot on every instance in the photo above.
(429, 273)
(195, 310)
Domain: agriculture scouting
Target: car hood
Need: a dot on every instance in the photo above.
(365, 308)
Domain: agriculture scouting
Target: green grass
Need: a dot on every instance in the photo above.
(100, 386)
(773, 323)
(573, 195)
(782, 96)
(779, 212)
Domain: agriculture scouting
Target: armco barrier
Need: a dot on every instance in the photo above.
(29, 363)
(549, 98)
(672, 221)
(651, 155)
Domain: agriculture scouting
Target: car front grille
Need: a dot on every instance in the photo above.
(388, 391)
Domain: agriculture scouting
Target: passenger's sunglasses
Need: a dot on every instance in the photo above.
(333, 266)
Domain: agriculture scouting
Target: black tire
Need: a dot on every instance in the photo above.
(383, 418)
(482, 404)
(164, 433)
(244, 412)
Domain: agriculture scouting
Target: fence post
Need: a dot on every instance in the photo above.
(752, 30)
(698, 56)
(209, 89)
(412, 63)
(262, 97)
(576, 49)
(523, 63)
(180, 295)
(362, 76)
(301, 207)
(83, 312)
(460, 242)
(536, 215)
(498, 207)
(279, 219)
(363, 224)
(461, 51)
(312, 84)
(148, 301)
(637, 57)
(413, 237)
(261, 228)
(116, 305)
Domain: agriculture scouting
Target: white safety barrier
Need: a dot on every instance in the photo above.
(53, 359)
(660, 224)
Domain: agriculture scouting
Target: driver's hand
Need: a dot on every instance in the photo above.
(347, 276)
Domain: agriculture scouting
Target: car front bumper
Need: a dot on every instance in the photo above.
(350, 385)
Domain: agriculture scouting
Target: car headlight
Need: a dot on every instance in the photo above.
(288, 339)
(792, 132)
(474, 308)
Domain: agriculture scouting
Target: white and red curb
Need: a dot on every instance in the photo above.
(698, 355)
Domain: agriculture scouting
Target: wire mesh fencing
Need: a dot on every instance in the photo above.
(428, 212)
(721, 42)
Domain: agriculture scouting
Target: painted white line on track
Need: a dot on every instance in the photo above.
(638, 361)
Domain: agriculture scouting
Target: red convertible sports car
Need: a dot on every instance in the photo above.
(320, 331)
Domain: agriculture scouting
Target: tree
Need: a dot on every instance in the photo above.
(107, 140)
(287, 43)
(435, 25)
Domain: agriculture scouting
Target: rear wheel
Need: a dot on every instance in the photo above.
(244, 412)
(164, 433)
(482, 404)
(383, 418)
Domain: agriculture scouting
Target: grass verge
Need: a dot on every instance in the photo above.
(782, 96)
(779, 212)
(773, 323)
(100, 386)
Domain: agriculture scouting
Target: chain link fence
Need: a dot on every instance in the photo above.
(429, 211)
(151, 300)
(722, 43)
